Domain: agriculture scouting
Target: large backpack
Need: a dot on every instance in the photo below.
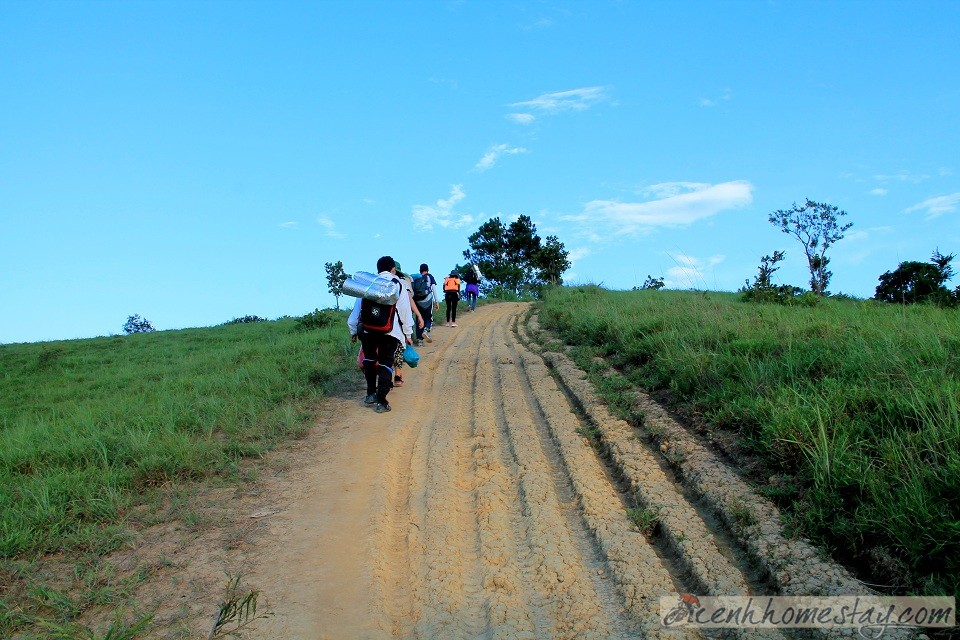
(378, 317)
(421, 288)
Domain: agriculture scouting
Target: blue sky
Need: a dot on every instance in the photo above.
(197, 161)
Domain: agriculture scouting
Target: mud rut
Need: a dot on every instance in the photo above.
(480, 508)
(496, 517)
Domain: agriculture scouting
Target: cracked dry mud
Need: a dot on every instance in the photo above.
(478, 509)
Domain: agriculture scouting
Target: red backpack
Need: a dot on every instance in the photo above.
(377, 317)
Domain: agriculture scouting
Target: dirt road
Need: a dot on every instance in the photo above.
(478, 509)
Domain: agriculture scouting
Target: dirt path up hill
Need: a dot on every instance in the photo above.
(475, 509)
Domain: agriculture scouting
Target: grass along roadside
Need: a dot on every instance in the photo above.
(90, 430)
(853, 407)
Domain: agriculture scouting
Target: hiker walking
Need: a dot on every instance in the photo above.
(451, 295)
(407, 291)
(426, 300)
(381, 329)
(472, 290)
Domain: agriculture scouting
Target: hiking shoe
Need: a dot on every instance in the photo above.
(426, 336)
(382, 407)
(370, 399)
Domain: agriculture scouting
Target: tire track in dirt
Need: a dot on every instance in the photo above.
(560, 573)
(483, 534)
(480, 508)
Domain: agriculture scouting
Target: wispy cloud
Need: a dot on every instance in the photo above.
(879, 191)
(521, 118)
(560, 101)
(289, 225)
(442, 214)
(937, 206)
(579, 253)
(712, 102)
(444, 81)
(676, 204)
(540, 23)
(330, 227)
(902, 176)
(490, 157)
(689, 271)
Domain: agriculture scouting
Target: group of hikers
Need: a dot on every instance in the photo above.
(383, 341)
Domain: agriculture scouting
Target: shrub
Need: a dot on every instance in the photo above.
(246, 319)
(136, 324)
(318, 319)
(651, 283)
(763, 289)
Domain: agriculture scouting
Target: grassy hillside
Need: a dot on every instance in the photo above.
(87, 425)
(855, 404)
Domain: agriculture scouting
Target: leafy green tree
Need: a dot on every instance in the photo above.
(336, 276)
(552, 261)
(136, 324)
(514, 258)
(912, 282)
(651, 283)
(816, 225)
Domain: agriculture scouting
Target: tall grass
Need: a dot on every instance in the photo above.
(86, 425)
(858, 401)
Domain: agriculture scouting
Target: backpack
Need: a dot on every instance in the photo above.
(377, 317)
(421, 288)
(452, 283)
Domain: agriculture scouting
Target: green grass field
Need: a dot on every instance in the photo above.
(89, 428)
(85, 425)
(857, 402)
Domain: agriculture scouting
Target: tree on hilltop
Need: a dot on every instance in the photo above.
(514, 258)
(816, 225)
(336, 276)
(912, 282)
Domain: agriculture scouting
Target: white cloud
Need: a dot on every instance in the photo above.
(559, 101)
(712, 102)
(444, 81)
(442, 214)
(578, 254)
(521, 118)
(490, 157)
(678, 204)
(902, 176)
(330, 226)
(878, 192)
(938, 206)
(289, 225)
(690, 271)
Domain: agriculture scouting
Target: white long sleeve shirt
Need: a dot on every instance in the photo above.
(402, 326)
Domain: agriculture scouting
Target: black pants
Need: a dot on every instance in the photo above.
(451, 298)
(379, 350)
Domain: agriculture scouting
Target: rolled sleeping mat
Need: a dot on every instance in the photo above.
(372, 287)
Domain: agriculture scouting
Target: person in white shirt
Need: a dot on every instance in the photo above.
(380, 343)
